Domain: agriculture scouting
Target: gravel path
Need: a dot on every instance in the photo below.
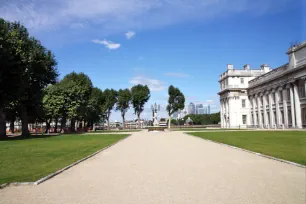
(168, 167)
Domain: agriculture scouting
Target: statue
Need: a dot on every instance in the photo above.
(154, 109)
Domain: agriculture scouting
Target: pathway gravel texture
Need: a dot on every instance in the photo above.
(169, 167)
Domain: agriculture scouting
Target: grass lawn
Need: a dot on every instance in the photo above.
(287, 145)
(201, 129)
(31, 159)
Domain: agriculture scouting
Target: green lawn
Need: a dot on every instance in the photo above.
(287, 145)
(201, 129)
(31, 159)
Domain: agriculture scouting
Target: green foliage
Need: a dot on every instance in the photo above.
(77, 89)
(140, 95)
(95, 106)
(204, 119)
(123, 103)
(176, 100)
(110, 96)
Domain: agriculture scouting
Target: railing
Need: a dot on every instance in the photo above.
(266, 77)
(246, 73)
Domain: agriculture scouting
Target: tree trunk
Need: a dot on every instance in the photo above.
(47, 126)
(108, 127)
(138, 116)
(63, 124)
(169, 123)
(72, 125)
(24, 121)
(2, 125)
(123, 121)
(12, 125)
(55, 127)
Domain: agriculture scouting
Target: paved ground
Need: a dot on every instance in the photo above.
(164, 168)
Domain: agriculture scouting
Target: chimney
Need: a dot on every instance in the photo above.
(246, 67)
(230, 67)
(266, 68)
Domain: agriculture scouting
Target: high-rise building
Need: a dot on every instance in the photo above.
(191, 108)
(208, 109)
(201, 111)
(198, 106)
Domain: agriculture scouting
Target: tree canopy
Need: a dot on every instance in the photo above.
(123, 102)
(176, 101)
(110, 96)
(140, 95)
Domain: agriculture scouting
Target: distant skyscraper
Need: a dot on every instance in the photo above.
(198, 107)
(191, 108)
(208, 109)
(201, 111)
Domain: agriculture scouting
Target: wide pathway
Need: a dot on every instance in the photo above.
(169, 167)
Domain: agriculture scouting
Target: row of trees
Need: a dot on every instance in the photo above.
(75, 98)
(26, 68)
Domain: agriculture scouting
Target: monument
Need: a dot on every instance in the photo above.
(154, 109)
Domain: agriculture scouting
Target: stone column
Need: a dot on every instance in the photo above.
(277, 110)
(265, 111)
(292, 107)
(229, 113)
(259, 111)
(271, 110)
(285, 108)
(297, 106)
(254, 111)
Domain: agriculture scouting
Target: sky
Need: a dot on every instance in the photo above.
(185, 43)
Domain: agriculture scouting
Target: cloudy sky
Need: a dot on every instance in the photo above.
(186, 43)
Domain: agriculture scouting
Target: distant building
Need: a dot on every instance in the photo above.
(191, 108)
(175, 115)
(208, 109)
(197, 108)
(201, 111)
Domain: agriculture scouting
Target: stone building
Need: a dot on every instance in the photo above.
(265, 98)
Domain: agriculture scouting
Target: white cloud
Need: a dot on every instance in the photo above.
(176, 74)
(153, 84)
(109, 44)
(119, 15)
(129, 34)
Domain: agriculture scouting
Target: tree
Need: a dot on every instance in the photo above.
(123, 103)
(94, 111)
(54, 104)
(11, 56)
(39, 71)
(77, 89)
(176, 102)
(140, 95)
(110, 96)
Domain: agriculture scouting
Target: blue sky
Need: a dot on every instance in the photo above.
(119, 43)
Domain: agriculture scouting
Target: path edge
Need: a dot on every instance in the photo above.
(61, 170)
(249, 151)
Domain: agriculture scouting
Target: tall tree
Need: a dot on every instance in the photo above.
(11, 56)
(140, 95)
(39, 70)
(110, 96)
(77, 90)
(123, 103)
(176, 102)
(54, 104)
(94, 107)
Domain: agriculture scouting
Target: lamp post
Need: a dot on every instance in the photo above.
(154, 109)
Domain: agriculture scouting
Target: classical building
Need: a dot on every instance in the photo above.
(265, 98)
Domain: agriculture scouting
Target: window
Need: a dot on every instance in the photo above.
(243, 103)
(242, 80)
(302, 90)
(244, 119)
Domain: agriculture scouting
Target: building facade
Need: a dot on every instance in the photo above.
(265, 98)
(191, 108)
